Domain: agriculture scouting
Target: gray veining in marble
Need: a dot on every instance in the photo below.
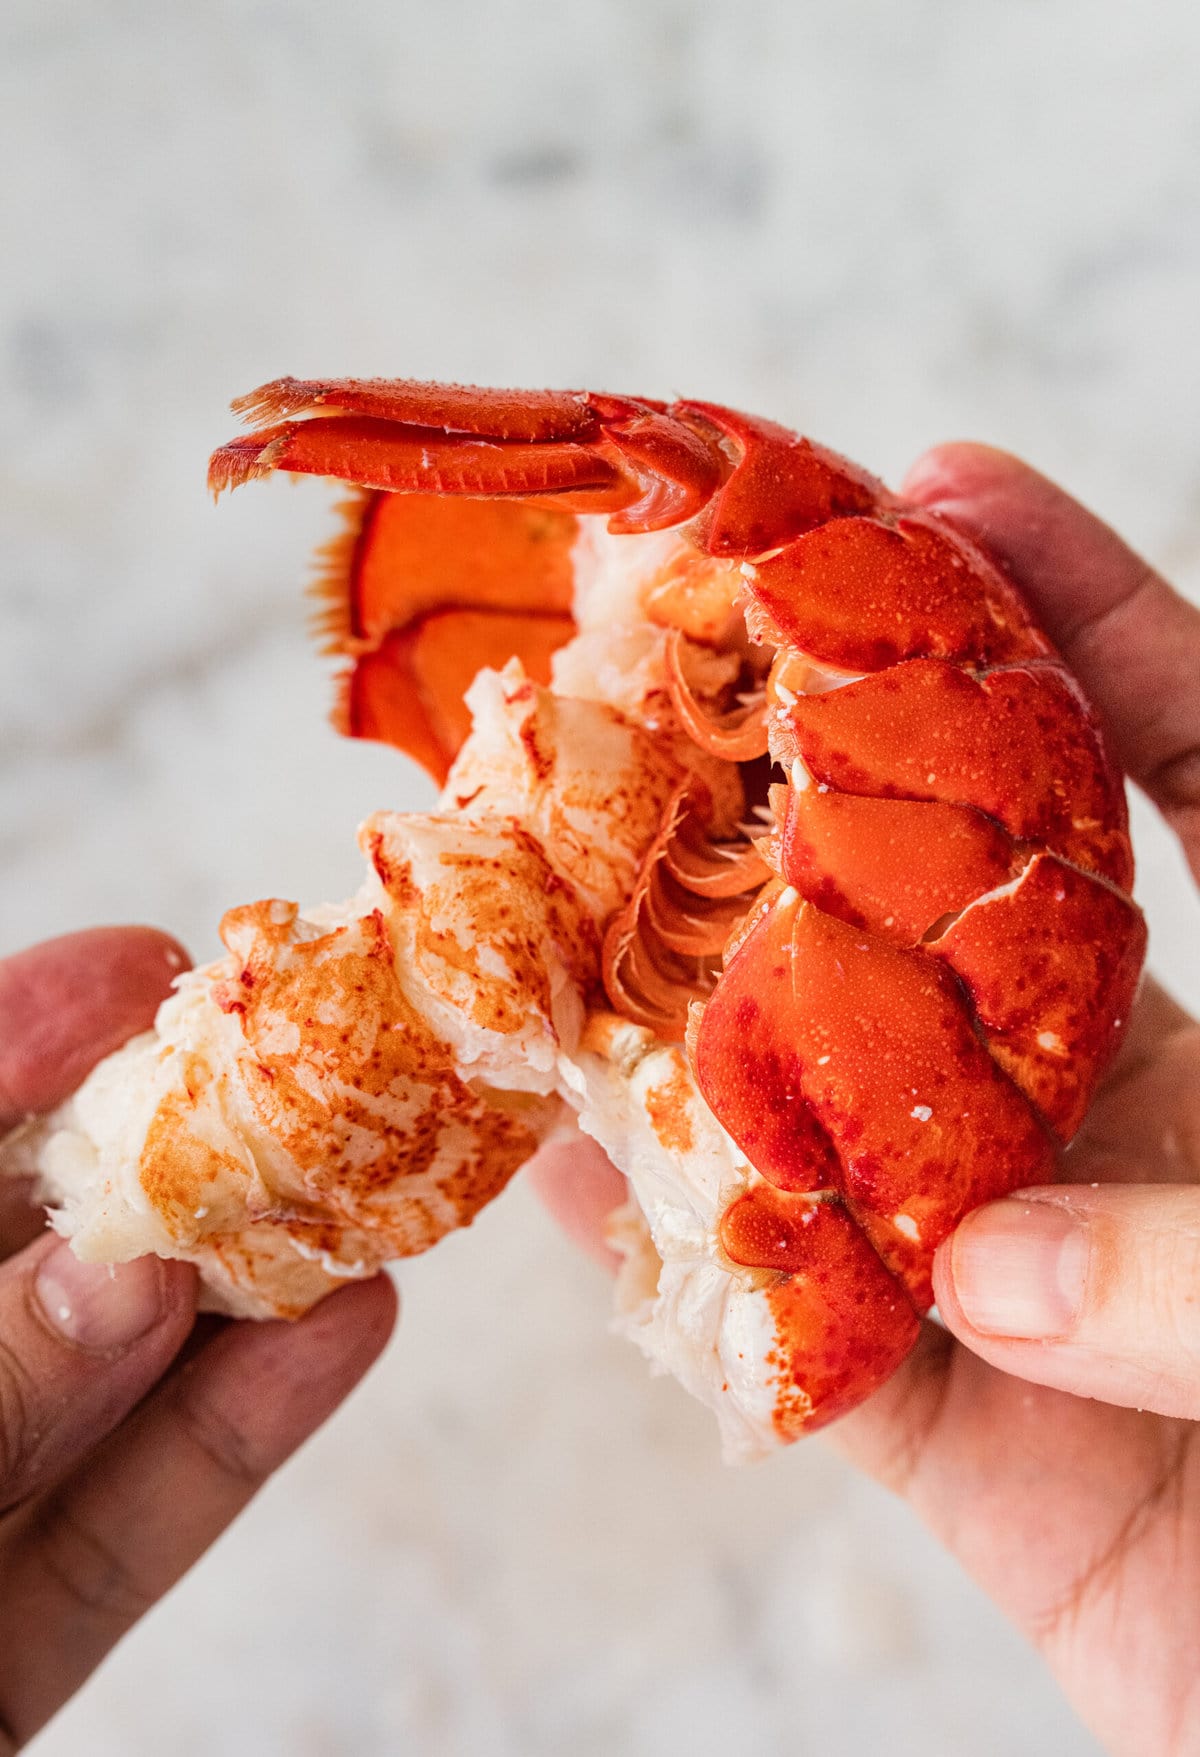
(886, 224)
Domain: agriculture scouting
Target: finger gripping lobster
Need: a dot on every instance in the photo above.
(777, 849)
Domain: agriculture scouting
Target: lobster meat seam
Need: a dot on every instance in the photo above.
(775, 839)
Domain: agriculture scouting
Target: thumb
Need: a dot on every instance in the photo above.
(1094, 1290)
(80, 1344)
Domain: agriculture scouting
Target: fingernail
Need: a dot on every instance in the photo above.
(97, 1306)
(1019, 1269)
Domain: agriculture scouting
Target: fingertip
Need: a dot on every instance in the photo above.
(952, 1262)
(961, 469)
(165, 956)
(107, 1309)
(1018, 1269)
(579, 1186)
(131, 956)
(371, 1307)
(129, 970)
(67, 1002)
(948, 1258)
(84, 1343)
(945, 1292)
(352, 1325)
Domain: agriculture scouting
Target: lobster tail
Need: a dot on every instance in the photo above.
(903, 998)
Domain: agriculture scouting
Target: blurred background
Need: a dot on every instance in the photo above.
(886, 225)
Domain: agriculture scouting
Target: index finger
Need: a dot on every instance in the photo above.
(66, 1003)
(1133, 641)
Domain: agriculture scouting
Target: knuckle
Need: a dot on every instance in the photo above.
(19, 1427)
(218, 1439)
(1096, 627)
(88, 1571)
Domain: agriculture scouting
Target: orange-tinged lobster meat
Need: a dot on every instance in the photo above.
(903, 996)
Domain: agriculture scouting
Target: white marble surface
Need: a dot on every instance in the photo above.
(886, 224)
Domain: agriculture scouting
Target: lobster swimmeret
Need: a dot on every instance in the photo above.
(804, 885)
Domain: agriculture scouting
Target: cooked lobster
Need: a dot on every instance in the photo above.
(776, 844)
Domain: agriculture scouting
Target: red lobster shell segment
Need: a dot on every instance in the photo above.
(895, 866)
(780, 485)
(867, 592)
(1019, 744)
(908, 991)
(1050, 964)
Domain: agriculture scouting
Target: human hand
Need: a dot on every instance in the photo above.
(130, 1434)
(1047, 1436)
